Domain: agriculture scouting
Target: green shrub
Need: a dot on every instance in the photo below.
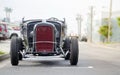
(1, 52)
(118, 20)
(104, 31)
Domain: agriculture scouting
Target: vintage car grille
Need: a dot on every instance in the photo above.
(44, 39)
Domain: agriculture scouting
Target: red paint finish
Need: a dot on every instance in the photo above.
(5, 27)
(43, 35)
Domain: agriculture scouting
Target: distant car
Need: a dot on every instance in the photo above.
(83, 38)
(3, 31)
(13, 32)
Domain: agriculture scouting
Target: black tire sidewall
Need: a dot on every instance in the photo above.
(74, 51)
(14, 51)
(20, 44)
(20, 56)
(67, 48)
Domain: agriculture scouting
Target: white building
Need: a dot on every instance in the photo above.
(98, 20)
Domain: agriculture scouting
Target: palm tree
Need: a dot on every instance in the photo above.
(8, 11)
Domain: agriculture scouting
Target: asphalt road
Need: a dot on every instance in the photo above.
(93, 60)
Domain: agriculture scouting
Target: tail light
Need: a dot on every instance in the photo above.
(5, 28)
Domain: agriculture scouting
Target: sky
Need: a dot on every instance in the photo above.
(53, 8)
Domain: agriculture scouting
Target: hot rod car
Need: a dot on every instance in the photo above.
(44, 38)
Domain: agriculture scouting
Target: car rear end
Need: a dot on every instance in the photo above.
(2, 32)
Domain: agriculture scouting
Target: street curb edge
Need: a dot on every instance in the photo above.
(4, 56)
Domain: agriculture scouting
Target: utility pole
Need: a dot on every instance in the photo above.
(79, 21)
(109, 24)
(91, 25)
(7, 11)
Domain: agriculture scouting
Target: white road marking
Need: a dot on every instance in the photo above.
(76, 67)
(90, 66)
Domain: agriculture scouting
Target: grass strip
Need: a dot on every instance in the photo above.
(1, 52)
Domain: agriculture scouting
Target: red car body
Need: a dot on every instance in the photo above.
(3, 31)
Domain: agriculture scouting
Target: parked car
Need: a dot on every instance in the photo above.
(83, 38)
(3, 31)
(44, 38)
(13, 32)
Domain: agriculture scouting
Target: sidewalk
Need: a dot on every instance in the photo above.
(5, 47)
(110, 46)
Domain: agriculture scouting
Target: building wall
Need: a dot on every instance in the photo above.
(98, 21)
(115, 30)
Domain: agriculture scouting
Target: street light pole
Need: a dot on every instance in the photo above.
(109, 24)
(79, 21)
(91, 9)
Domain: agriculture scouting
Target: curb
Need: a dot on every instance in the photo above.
(4, 56)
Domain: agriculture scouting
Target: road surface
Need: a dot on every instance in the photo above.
(93, 60)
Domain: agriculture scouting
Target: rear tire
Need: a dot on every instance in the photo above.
(67, 57)
(20, 56)
(20, 44)
(14, 51)
(13, 36)
(20, 48)
(74, 51)
(66, 48)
